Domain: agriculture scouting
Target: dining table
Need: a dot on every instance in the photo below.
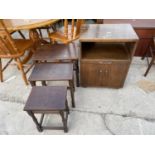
(27, 24)
(31, 25)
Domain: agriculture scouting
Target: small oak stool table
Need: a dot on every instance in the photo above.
(53, 72)
(45, 100)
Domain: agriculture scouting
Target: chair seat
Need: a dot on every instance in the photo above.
(22, 44)
(56, 52)
(52, 72)
(59, 35)
(47, 98)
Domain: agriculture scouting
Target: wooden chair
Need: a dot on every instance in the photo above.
(13, 49)
(70, 32)
(150, 52)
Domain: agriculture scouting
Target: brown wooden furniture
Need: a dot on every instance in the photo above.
(31, 25)
(145, 29)
(59, 53)
(54, 72)
(27, 24)
(106, 54)
(70, 32)
(13, 50)
(48, 100)
(150, 52)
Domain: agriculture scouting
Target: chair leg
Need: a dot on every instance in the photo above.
(151, 63)
(20, 65)
(1, 72)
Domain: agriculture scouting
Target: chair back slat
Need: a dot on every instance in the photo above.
(7, 45)
(74, 31)
(66, 28)
(79, 22)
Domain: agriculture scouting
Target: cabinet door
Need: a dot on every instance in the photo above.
(93, 74)
(117, 72)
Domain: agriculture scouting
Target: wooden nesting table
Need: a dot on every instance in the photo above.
(47, 100)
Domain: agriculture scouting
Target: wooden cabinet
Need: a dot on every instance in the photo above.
(104, 62)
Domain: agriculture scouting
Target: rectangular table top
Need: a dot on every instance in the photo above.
(108, 33)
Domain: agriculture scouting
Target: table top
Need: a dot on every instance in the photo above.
(108, 33)
(136, 23)
(57, 52)
(23, 24)
(52, 72)
(46, 98)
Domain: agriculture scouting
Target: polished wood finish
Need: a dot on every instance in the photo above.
(70, 33)
(108, 33)
(145, 29)
(106, 54)
(27, 24)
(59, 53)
(13, 49)
(48, 100)
(56, 52)
(54, 72)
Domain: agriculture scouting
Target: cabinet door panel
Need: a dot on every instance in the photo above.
(92, 75)
(117, 74)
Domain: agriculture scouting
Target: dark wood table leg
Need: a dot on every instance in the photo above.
(77, 73)
(72, 92)
(64, 121)
(151, 63)
(43, 83)
(35, 121)
(33, 83)
(67, 107)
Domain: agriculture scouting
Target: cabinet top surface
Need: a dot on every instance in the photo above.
(108, 33)
(136, 23)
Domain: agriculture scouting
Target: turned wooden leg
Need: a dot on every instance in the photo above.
(64, 121)
(151, 63)
(1, 72)
(72, 92)
(20, 65)
(35, 121)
